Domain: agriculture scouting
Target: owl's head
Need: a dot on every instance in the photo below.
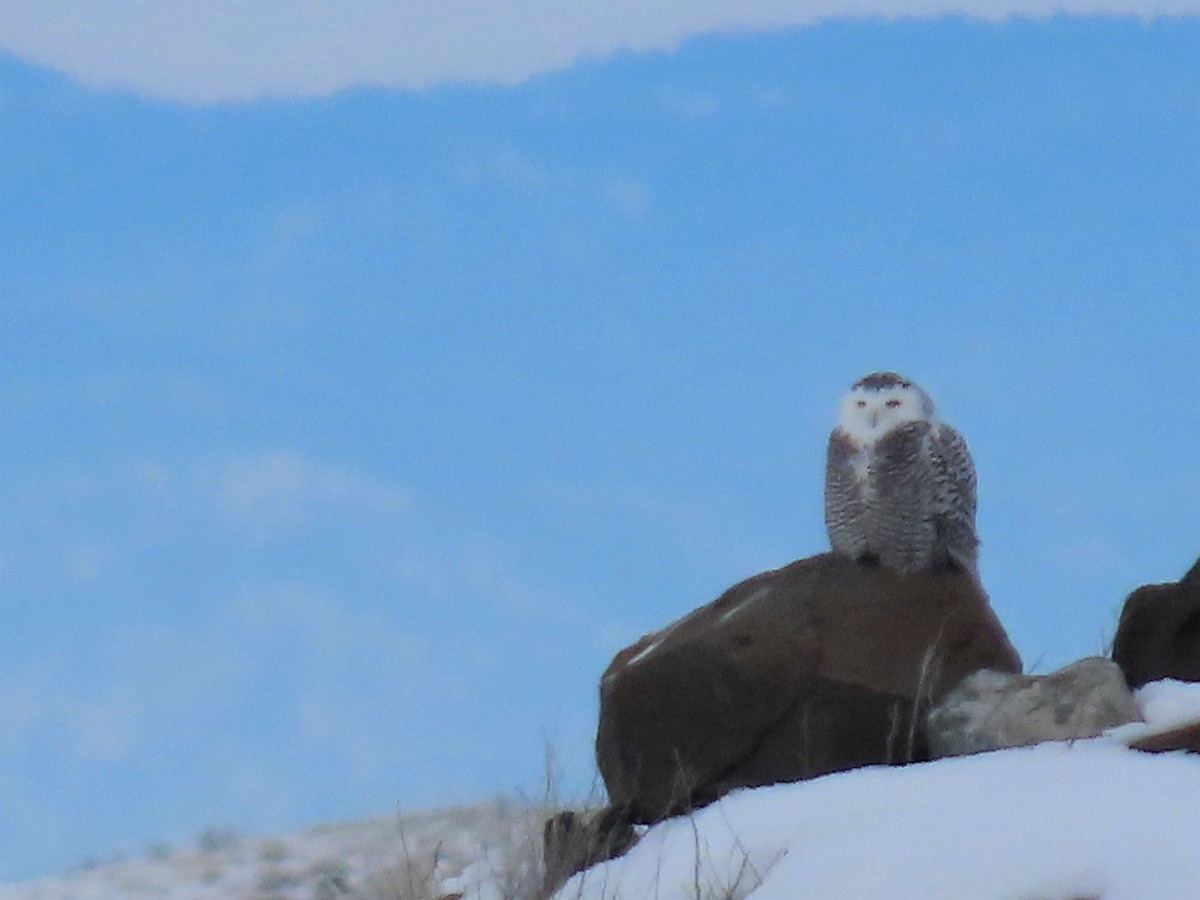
(881, 401)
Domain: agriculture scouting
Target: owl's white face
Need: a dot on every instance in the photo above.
(868, 413)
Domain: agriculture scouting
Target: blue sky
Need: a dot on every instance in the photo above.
(350, 427)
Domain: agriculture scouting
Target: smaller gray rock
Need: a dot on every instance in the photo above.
(991, 710)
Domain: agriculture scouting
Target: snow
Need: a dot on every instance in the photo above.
(1165, 705)
(745, 604)
(412, 856)
(642, 654)
(1058, 821)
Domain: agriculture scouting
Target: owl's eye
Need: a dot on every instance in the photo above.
(861, 404)
(892, 404)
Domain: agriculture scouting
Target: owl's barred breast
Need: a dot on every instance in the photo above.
(899, 520)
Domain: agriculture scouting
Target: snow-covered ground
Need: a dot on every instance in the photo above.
(414, 856)
(1089, 820)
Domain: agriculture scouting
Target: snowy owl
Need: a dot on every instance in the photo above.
(899, 484)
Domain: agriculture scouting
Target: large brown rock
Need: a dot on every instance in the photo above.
(823, 665)
(1158, 634)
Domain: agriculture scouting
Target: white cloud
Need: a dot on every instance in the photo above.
(230, 50)
(480, 569)
(86, 562)
(281, 490)
(152, 685)
(628, 196)
(108, 729)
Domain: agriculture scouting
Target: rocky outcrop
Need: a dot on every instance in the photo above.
(1158, 634)
(992, 710)
(823, 665)
(572, 842)
(1181, 737)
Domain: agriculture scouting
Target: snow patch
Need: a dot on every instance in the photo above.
(1165, 705)
(745, 604)
(643, 653)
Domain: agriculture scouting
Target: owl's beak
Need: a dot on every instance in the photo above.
(874, 419)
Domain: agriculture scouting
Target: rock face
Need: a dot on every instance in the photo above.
(1158, 635)
(571, 842)
(992, 710)
(823, 665)
(1183, 737)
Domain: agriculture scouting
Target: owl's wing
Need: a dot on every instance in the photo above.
(956, 493)
(843, 493)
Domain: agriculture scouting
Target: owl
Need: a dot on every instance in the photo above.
(899, 484)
